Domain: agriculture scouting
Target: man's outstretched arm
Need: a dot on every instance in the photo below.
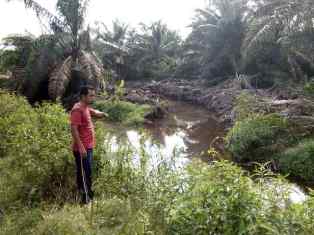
(98, 114)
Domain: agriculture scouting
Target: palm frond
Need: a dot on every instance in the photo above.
(59, 78)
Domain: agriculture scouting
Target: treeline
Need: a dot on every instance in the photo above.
(268, 39)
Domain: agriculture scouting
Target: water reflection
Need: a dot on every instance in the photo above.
(296, 194)
(185, 129)
(186, 132)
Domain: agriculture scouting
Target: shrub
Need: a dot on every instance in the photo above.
(248, 105)
(151, 189)
(36, 160)
(309, 88)
(116, 216)
(257, 137)
(108, 217)
(70, 220)
(245, 106)
(298, 161)
(207, 199)
(218, 200)
(7, 84)
(136, 193)
(21, 221)
(125, 112)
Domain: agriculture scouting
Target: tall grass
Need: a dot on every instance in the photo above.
(123, 111)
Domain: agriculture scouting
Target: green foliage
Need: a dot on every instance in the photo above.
(21, 221)
(298, 161)
(115, 216)
(123, 111)
(257, 137)
(8, 59)
(309, 88)
(216, 39)
(275, 38)
(36, 159)
(154, 50)
(7, 84)
(148, 53)
(34, 58)
(244, 107)
(208, 207)
(73, 12)
(136, 196)
(149, 185)
(68, 220)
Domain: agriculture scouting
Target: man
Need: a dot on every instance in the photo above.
(83, 135)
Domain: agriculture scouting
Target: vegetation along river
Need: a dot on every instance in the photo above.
(186, 132)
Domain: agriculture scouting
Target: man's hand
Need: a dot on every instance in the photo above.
(101, 114)
(106, 115)
(98, 114)
(82, 151)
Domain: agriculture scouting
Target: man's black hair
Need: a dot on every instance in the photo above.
(85, 90)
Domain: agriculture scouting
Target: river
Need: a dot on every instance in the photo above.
(186, 132)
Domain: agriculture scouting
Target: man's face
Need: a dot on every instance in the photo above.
(90, 97)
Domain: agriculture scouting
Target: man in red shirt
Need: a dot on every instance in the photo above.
(83, 135)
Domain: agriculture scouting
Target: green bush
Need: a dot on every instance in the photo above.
(244, 107)
(122, 111)
(257, 137)
(107, 217)
(221, 199)
(70, 220)
(7, 84)
(309, 88)
(21, 221)
(218, 200)
(116, 216)
(151, 189)
(36, 159)
(206, 199)
(136, 193)
(298, 161)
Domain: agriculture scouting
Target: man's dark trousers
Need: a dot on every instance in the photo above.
(87, 171)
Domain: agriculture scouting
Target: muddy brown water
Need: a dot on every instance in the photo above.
(186, 128)
(187, 131)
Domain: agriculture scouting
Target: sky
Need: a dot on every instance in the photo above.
(177, 14)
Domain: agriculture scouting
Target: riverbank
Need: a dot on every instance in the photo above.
(221, 99)
(266, 125)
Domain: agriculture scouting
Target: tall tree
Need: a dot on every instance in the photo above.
(67, 29)
(154, 50)
(285, 29)
(111, 46)
(217, 35)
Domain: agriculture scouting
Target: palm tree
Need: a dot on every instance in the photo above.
(111, 46)
(151, 51)
(284, 28)
(154, 51)
(78, 64)
(217, 36)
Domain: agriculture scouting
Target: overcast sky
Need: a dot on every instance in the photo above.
(14, 18)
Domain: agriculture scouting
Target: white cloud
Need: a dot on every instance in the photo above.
(176, 13)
